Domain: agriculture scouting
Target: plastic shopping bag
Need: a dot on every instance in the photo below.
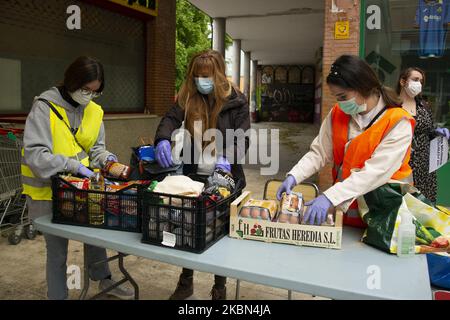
(439, 269)
(381, 210)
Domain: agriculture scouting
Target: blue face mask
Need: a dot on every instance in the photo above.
(351, 107)
(204, 85)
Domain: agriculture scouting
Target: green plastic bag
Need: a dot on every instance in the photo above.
(381, 210)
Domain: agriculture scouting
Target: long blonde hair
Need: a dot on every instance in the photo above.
(194, 104)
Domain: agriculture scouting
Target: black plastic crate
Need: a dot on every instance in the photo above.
(197, 223)
(120, 210)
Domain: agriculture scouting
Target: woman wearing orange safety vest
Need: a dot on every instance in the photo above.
(366, 136)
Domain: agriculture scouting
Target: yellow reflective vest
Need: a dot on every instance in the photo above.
(64, 143)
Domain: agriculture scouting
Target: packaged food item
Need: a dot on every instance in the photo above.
(79, 183)
(221, 178)
(219, 185)
(152, 185)
(95, 200)
(210, 233)
(129, 221)
(112, 210)
(440, 242)
(81, 216)
(292, 204)
(259, 209)
(116, 170)
(294, 218)
(112, 220)
(114, 187)
(291, 208)
(66, 207)
(146, 153)
(152, 227)
(185, 237)
(224, 192)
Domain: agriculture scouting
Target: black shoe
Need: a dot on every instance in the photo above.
(185, 288)
(218, 293)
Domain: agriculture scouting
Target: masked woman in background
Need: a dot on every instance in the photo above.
(409, 87)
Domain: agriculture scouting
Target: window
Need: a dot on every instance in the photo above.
(402, 33)
(36, 47)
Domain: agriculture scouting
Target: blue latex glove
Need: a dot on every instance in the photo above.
(112, 158)
(164, 154)
(84, 172)
(443, 132)
(286, 186)
(222, 163)
(317, 211)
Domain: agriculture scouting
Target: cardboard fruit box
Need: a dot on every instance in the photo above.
(296, 234)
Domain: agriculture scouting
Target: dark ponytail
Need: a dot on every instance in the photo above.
(352, 73)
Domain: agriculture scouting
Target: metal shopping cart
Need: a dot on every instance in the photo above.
(14, 221)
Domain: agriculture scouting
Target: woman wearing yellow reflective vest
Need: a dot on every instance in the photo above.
(64, 132)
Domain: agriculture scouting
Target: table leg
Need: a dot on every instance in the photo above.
(85, 274)
(238, 288)
(127, 276)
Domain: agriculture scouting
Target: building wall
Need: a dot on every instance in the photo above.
(332, 49)
(123, 134)
(123, 131)
(160, 64)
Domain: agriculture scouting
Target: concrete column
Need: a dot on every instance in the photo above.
(247, 74)
(253, 85)
(253, 82)
(236, 75)
(219, 35)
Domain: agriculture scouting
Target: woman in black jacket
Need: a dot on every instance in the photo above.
(206, 100)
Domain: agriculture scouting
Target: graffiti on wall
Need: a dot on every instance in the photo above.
(287, 93)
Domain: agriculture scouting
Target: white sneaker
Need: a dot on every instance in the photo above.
(120, 292)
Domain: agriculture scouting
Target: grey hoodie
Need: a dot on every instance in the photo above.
(38, 144)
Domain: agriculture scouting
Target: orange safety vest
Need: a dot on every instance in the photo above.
(361, 148)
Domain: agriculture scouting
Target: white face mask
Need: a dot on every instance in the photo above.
(413, 88)
(81, 98)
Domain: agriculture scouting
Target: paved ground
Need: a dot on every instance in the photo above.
(22, 268)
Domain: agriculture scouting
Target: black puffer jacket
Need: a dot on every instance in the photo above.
(234, 115)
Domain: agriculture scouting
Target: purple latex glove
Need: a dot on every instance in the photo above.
(317, 211)
(443, 132)
(84, 172)
(286, 186)
(222, 163)
(112, 158)
(164, 154)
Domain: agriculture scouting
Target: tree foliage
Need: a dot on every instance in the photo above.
(193, 35)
